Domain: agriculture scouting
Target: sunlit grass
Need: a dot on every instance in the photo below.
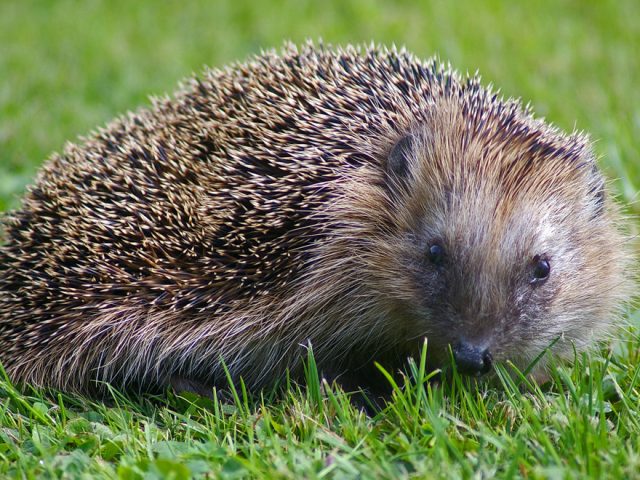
(583, 424)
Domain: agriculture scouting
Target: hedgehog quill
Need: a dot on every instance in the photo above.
(357, 199)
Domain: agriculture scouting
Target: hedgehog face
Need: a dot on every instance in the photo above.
(503, 250)
(489, 289)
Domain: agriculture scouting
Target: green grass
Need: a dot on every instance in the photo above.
(585, 424)
(70, 66)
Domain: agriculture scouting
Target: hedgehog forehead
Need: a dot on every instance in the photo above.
(507, 203)
(490, 231)
(509, 221)
(491, 140)
(469, 155)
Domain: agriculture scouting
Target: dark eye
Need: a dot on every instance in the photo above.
(541, 269)
(436, 254)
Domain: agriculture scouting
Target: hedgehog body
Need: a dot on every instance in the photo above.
(358, 200)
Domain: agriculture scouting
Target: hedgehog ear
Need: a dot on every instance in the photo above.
(398, 159)
(597, 190)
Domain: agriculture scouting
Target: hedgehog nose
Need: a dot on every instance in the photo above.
(472, 360)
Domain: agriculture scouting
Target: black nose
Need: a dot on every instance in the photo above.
(471, 360)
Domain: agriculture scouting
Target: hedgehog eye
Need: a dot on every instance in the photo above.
(541, 269)
(436, 254)
(398, 160)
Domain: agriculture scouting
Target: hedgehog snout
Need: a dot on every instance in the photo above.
(471, 358)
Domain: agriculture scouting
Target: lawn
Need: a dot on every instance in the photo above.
(68, 67)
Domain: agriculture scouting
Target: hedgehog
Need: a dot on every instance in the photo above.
(356, 199)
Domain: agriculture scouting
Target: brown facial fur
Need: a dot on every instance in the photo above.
(256, 212)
